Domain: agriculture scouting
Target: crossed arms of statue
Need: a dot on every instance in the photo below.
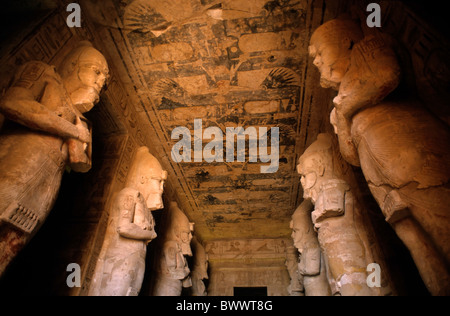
(175, 262)
(135, 219)
(42, 104)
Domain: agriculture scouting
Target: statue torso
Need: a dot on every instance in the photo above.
(400, 143)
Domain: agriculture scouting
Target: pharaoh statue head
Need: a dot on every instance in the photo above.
(147, 177)
(179, 228)
(84, 72)
(316, 166)
(322, 181)
(331, 46)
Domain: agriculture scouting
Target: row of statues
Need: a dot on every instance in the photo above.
(43, 133)
(402, 149)
(121, 266)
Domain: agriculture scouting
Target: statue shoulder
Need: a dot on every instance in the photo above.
(170, 244)
(127, 198)
(410, 146)
(372, 43)
(373, 74)
(33, 72)
(129, 191)
(376, 54)
(171, 248)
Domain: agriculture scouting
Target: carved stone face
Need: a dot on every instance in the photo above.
(315, 166)
(84, 74)
(154, 190)
(330, 47)
(332, 66)
(311, 171)
(93, 79)
(301, 226)
(297, 236)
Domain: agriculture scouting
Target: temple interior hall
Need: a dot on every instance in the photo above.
(224, 148)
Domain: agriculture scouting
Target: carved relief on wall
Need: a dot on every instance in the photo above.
(247, 249)
(44, 45)
(257, 263)
(124, 110)
(224, 278)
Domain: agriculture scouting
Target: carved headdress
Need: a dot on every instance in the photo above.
(144, 168)
(320, 153)
(84, 53)
(335, 31)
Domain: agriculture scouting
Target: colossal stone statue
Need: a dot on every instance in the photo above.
(200, 269)
(131, 228)
(312, 265)
(333, 217)
(403, 150)
(44, 132)
(172, 271)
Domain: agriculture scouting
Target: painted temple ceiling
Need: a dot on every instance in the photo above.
(230, 64)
